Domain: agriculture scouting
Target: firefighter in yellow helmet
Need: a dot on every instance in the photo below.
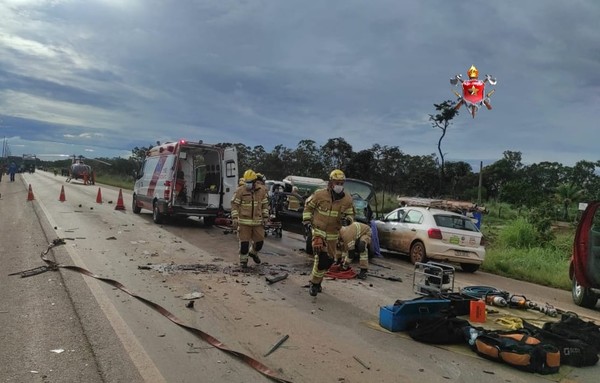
(249, 212)
(354, 240)
(260, 182)
(322, 216)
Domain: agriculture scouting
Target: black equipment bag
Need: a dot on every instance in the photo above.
(573, 350)
(444, 328)
(519, 350)
(573, 327)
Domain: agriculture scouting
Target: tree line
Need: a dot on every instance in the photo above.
(394, 172)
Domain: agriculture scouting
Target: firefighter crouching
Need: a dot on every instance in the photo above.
(355, 239)
(323, 214)
(249, 212)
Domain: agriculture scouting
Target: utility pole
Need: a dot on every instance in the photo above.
(480, 183)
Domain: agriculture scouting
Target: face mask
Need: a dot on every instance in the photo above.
(338, 188)
(249, 185)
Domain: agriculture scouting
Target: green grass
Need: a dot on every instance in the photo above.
(123, 182)
(548, 265)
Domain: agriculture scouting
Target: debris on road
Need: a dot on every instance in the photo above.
(395, 279)
(276, 278)
(361, 362)
(276, 346)
(194, 295)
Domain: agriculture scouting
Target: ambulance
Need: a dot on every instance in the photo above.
(186, 179)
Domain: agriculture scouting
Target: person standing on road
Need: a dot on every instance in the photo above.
(355, 238)
(12, 169)
(322, 216)
(249, 212)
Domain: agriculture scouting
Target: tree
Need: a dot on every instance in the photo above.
(336, 153)
(566, 194)
(442, 120)
(307, 159)
(502, 171)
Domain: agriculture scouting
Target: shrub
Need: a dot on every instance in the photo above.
(519, 234)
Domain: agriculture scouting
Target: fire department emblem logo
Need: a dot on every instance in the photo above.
(473, 90)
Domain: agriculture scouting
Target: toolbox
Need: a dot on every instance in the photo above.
(398, 317)
(433, 278)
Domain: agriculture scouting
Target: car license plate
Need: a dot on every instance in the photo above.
(461, 253)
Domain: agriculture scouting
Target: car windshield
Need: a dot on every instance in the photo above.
(455, 222)
(360, 189)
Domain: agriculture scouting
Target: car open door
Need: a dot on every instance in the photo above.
(585, 260)
(586, 233)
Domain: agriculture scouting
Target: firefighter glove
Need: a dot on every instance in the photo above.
(317, 245)
(234, 223)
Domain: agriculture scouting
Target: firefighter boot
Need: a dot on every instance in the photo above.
(314, 289)
(362, 274)
(255, 258)
(244, 265)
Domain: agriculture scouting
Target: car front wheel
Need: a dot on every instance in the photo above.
(417, 253)
(583, 296)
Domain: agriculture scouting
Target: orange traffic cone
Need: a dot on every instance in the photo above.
(61, 197)
(99, 196)
(120, 205)
(30, 194)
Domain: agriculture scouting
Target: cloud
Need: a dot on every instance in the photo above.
(119, 74)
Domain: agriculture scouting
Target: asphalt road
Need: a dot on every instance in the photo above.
(109, 336)
(53, 330)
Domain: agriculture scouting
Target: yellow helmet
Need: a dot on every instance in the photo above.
(260, 177)
(249, 175)
(241, 182)
(337, 175)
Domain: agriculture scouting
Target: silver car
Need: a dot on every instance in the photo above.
(432, 234)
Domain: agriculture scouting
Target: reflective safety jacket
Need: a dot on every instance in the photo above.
(325, 212)
(351, 233)
(250, 207)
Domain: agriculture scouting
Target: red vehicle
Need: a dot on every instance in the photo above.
(584, 270)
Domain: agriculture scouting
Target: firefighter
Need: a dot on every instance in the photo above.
(294, 200)
(323, 214)
(249, 213)
(355, 238)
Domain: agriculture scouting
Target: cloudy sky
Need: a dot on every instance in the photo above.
(99, 77)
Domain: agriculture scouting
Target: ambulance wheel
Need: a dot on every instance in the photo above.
(134, 207)
(157, 217)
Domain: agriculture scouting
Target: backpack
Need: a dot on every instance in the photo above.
(517, 349)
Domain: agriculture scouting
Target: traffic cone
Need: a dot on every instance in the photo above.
(120, 205)
(99, 196)
(61, 197)
(30, 194)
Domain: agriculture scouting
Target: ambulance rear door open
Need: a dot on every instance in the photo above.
(215, 178)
